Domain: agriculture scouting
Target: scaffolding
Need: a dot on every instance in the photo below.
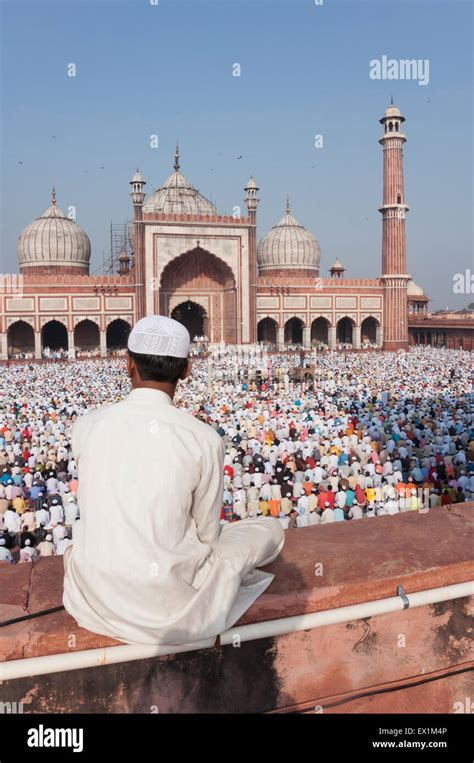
(121, 240)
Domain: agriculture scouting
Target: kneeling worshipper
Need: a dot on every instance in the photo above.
(176, 576)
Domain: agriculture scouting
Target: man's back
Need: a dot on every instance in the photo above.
(141, 550)
(150, 562)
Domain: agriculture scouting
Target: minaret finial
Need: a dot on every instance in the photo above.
(53, 196)
(391, 99)
(287, 204)
(176, 157)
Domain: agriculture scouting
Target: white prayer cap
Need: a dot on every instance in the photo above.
(2, 541)
(158, 335)
(27, 542)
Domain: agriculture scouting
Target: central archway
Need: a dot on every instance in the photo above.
(193, 316)
(199, 277)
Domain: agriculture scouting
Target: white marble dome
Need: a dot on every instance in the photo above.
(288, 246)
(178, 196)
(53, 240)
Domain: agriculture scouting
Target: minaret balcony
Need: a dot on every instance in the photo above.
(395, 208)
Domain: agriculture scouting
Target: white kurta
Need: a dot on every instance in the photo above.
(150, 562)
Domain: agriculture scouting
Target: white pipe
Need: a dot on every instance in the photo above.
(344, 614)
(91, 658)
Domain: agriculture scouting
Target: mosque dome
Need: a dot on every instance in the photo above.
(413, 290)
(54, 241)
(178, 196)
(288, 246)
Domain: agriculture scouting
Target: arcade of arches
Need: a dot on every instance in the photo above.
(320, 333)
(195, 277)
(86, 337)
(452, 338)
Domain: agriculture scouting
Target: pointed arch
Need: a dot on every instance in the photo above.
(117, 334)
(345, 330)
(320, 331)
(20, 338)
(54, 335)
(294, 331)
(267, 330)
(86, 335)
(199, 275)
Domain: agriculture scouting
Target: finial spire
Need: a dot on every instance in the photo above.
(176, 157)
(53, 196)
(287, 204)
(391, 99)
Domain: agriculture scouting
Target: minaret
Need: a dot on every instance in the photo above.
(394, 209)
(138, 197)
(251, 200)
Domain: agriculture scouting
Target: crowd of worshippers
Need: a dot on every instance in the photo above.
(369, 435)
(38, 509)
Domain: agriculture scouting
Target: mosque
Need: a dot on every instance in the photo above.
(206, 269)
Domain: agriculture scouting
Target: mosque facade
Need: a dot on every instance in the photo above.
(207, 270)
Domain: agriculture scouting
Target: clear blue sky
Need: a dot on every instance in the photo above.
(167, 69)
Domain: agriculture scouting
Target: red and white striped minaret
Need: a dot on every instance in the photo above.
(251, 200)
(138, 197)
(394, 209)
